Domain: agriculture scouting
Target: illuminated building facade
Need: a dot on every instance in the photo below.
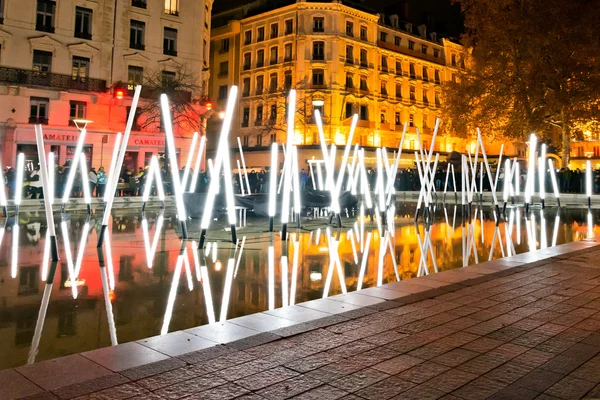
(342, 61)
(72, 59)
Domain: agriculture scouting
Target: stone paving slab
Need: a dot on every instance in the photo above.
(506, 330)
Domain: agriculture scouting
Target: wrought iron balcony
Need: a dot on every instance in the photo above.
(38, 120)
(28, 77)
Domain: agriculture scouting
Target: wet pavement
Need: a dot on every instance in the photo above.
(525, 327)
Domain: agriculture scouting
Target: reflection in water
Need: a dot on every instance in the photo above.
(145, 281)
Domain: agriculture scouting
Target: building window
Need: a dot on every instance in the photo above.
(80, 68)
(411, 45)
(397, 40)
(274, 30)
(274, 55)
(363, 58)
(224, 45)
(38, 110)
(287, 80)
(424, 49)
(318, 51)
(136, 34)
(83, 23)
(139, 3)
(454, 60)
(436, 53)
(398, 68)
(44, 19)
(222, 92)
(206, 16)
(77, 110)
(260, 34)
(260, 58)
(273, 82)
(384, 88)
(168, 78)
(411, 120)
(437, 100)
(318, 77)
(384, 64)
(425, 98)
(425, 74)
(349, 110)
(382, 117)
(273, 113)
(397, 118)
(349, 28)
(245, 121)
(398, 91)
(170, 42)
(42, 61)
(135, 76)
(383, 36)
(273, 138)
(172, 7)
(289, 26)
(247, 61)
(364, 113)
(318, 24)
(349, 81)
(412, 94)
(260, 84)
(363, 84)
(363, 33)
(411, 70)
(437, 76)
(287, 52)
(245, 138)
(349, 55)
(247, 37)
(223, 68)
(1, 11)
(246, 87)
(259, 115)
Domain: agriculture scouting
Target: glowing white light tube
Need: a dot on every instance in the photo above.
(323, 144)
(197, 165)
(287, 168)
(51, 179)
(172, 294)
(86, 187)
(517, 176)
(15, 249)
(507, 179)
(529, 185)
(296, 181)
(487, 165)
(553, 178)
(3, 188)
(271, 275)
(153, 174)
(244, 166)
(335, 193)
(168, 125)
(239, 168)
(588, 178)
(273, 180)
(497, 170)
(19, 183)
(188, 163)
(151, 247)
(47, 182)
(73, 170)
(542, 172)
(113, 164)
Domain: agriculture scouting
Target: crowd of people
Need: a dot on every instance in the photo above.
(132, 183)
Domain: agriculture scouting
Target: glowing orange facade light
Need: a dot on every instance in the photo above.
(208, 105)
(119, 93)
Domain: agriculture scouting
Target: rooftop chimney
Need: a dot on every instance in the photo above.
(394, 21)
(423, 31)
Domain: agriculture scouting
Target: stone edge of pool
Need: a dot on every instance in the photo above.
(78, 374)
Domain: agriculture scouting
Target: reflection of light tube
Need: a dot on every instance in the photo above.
(112, 330)
(19, 185)
(67, 244)
(109, 263)
(543, 235)
(39, 326)
(553, 178)
(363, 264)
(197, 165)
(239, 258)
(294, 271)
(555, 231)
(188, 163)
(312, 174)
(227, 290)
(350, 235)
(15, 249)
(590, 224)
(273, 180)
(287, 166)
(588, 178)
(285, 301)
(188, 272)
(210, 310)
(271, 274)
(164, 102)
(151, 247)
(172, 294)
(73, 170)
(296, 182)
(530, 169)
(113, 164)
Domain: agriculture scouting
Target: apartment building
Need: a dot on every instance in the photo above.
(341, 60)
(69, 60)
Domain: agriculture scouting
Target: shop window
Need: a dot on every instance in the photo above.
(137, 31)
(135, 76)
(172, 7)
(80, 68)
(83, 23)
(77, 110)
(44, 16)
(86, 151)
(38, 110)
(170, 42)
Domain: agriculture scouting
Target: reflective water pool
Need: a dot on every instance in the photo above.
(146, 281)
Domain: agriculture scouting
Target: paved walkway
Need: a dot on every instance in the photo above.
(499, 330)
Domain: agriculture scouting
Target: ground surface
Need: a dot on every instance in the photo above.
(512, 329)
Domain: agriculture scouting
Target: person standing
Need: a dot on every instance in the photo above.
(35, 183)
(101, 182)
(93, 180)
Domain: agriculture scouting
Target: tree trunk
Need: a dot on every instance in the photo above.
(566, 140)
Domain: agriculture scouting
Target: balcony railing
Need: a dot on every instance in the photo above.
(44, 28)
(137, 46)
(170, 52)
(38, 120)
(27, 77)
(148, 92)
(246, 67)
(83, 35)
(245, 125)
(259, 64)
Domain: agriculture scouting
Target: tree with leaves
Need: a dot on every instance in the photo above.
(530, 66)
